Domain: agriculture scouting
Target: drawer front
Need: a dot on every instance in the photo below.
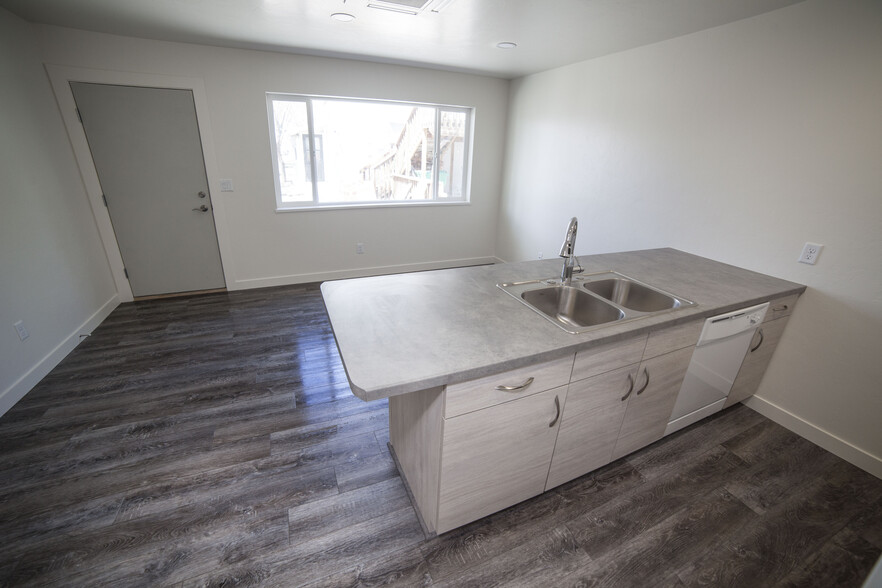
(481, 393)
(780, 307)
(606, 358)
(672, 338)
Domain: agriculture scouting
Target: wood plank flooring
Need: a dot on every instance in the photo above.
(212, 440)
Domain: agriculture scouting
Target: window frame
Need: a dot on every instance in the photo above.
(315, 204)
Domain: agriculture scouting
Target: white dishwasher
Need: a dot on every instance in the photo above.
(716, 360)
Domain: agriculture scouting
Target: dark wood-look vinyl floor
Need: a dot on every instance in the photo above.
(213, 441)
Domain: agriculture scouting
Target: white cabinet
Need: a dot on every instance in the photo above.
(472, 449)
(496, 457)
(609, 414)
(650, 405)
(591, 423)
(759, 354)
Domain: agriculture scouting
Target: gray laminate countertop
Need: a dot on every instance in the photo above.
(407, 332)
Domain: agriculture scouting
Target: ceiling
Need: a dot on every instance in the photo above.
(461, 36)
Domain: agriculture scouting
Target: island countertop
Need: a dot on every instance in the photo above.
(407, 332)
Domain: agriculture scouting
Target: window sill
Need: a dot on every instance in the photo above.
(347, 206)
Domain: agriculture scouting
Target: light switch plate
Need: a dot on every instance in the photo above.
(226, 185)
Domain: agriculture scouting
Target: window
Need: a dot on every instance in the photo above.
(367, 152)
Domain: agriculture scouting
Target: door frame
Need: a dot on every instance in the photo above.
(60, 78)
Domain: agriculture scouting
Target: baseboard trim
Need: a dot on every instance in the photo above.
(839, 447)
(32, 377)
(356, 273)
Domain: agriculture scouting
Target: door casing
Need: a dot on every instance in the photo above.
(60, 78)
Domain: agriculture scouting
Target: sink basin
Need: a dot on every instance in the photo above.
(634, 295)
(593, 300)
(571, 307)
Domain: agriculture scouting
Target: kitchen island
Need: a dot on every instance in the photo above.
(490, 403)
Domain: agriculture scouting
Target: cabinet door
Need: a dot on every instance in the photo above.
(496, 457)
(757, 360)
(590, 425)
(650, 406)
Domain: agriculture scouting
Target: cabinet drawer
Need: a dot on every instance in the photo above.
(481, 393)
(672, 338)
(781, 307)
(606, 358)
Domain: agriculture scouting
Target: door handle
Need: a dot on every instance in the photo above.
(202, 208)
(760, 331)
(646, 385)
(202, 194)
(526, 383)
(630, 387)
(556, 416)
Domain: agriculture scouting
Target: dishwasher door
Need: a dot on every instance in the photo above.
(715, 363)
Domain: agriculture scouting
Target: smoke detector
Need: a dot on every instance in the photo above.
(413, 7)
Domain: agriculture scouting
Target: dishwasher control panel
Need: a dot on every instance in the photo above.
(732, 323)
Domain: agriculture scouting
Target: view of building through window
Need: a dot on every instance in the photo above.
(362, 152)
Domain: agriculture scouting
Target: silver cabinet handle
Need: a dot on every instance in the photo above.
(630, 387)
(202, 208)
(646, 385)
(760, 331)
(557, 416)
(526, 383)
(780, 308)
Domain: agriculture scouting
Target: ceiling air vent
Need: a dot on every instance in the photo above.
(410, 6)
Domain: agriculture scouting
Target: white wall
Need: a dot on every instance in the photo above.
(738, 143)
(55, 276)
(261, 247)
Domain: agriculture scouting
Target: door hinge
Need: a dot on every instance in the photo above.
(126, 272)
(79, 116)
(104, 198)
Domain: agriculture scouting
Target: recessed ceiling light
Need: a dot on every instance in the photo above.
(506, 45)
(343, 16)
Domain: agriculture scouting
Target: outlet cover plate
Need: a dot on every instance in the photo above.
(810, 253)
(22, 330)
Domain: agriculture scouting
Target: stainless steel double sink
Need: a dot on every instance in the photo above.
(593, 300)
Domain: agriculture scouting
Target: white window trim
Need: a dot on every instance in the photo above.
(316, 205)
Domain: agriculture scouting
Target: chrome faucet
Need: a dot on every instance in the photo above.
(567, 252)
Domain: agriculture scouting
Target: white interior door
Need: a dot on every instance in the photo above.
(146, 148)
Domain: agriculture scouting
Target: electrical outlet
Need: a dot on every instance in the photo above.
(359, 248)
(810, 253)
(22, 330)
